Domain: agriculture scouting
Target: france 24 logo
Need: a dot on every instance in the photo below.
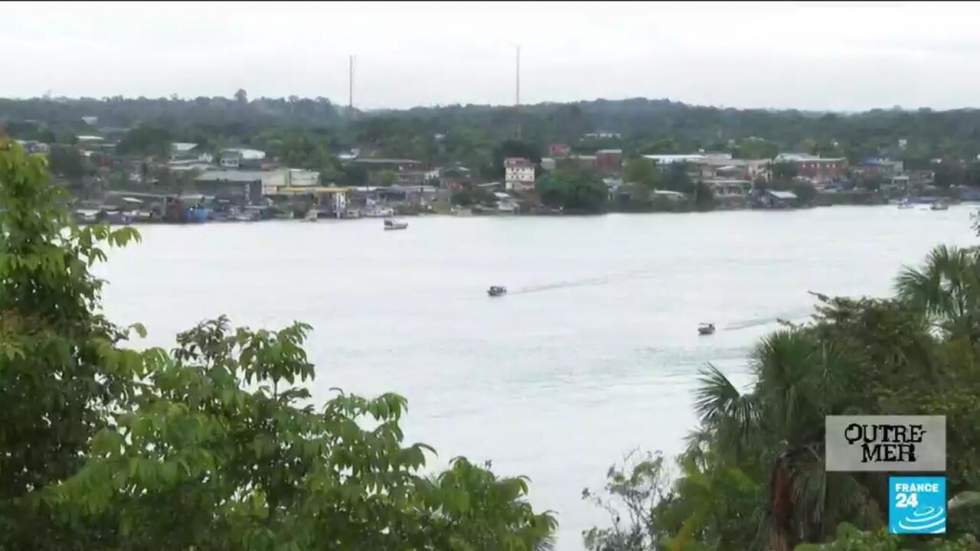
(917, 505)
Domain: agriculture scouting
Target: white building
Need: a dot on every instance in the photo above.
(518, 174)
(276, 181)
(693, 158)
(241, 158)
(725, 189)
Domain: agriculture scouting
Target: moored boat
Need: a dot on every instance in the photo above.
(496, 291)
(939, 205)
(391, 224)
(706, 329)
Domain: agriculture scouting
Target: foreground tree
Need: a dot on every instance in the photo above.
(56, 377)
(754, 475)
(213, 446)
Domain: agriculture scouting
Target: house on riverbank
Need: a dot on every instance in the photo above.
(773, 199)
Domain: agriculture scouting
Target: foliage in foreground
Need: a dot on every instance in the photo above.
(753, 476)
(213, 446)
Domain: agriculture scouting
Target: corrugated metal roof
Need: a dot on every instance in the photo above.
(231, 176)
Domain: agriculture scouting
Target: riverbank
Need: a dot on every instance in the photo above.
(115, 216)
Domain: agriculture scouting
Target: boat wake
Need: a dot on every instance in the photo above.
(560, 285)
(794, 317)
(600, 280)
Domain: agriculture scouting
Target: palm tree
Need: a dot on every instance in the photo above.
(947, 289)
(799, 380)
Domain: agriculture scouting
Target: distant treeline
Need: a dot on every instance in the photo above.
(464, 133)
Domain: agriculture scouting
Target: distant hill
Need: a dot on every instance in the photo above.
(645, 125)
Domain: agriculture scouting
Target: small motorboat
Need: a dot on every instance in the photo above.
(706, 329)
(391, 224)
(939, 205)
(906, 204)
(496, 291)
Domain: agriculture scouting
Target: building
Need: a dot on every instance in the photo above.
(455, 178)
(243, 158)
(274, 181)
(180, 151)
(518, 174)
(772, 199)
(559, 150)
(406, 171)
(505, 203)
(669, 159)
(584, 161)
(329, 200)
(715, 166)
(398, 165)
(411, 195)
(602, 135)
(884, 168)
(819, 170)
(609, 160)
(743, 169)
(239, 186)
(729, 192)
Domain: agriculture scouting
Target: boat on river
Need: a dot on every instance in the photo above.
(496, 291)
(939, 205)
(706, 329)
(391, 224)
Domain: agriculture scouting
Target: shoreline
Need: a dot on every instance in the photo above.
(919, 207)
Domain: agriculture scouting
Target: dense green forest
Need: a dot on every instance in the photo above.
(468, 133)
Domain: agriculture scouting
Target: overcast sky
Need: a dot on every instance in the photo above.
(811, 56)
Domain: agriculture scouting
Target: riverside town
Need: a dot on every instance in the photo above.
(220, 159)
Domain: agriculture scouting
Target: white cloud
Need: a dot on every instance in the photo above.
(807, 55)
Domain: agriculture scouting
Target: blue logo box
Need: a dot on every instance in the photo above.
(917, 505)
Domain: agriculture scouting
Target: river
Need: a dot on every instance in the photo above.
(594, 351)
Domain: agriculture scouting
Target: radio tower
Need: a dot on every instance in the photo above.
(350, 85)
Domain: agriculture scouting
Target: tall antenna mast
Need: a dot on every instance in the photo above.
(350, 83)
(517, 101)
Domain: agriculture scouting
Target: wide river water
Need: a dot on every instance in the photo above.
(594, 352)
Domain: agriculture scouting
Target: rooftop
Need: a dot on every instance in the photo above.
(242, 176)
(805, 157)
(689, 158)
(182, 147)
(246, 153)
(785, 195)
(387, 161)
(517, 162)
